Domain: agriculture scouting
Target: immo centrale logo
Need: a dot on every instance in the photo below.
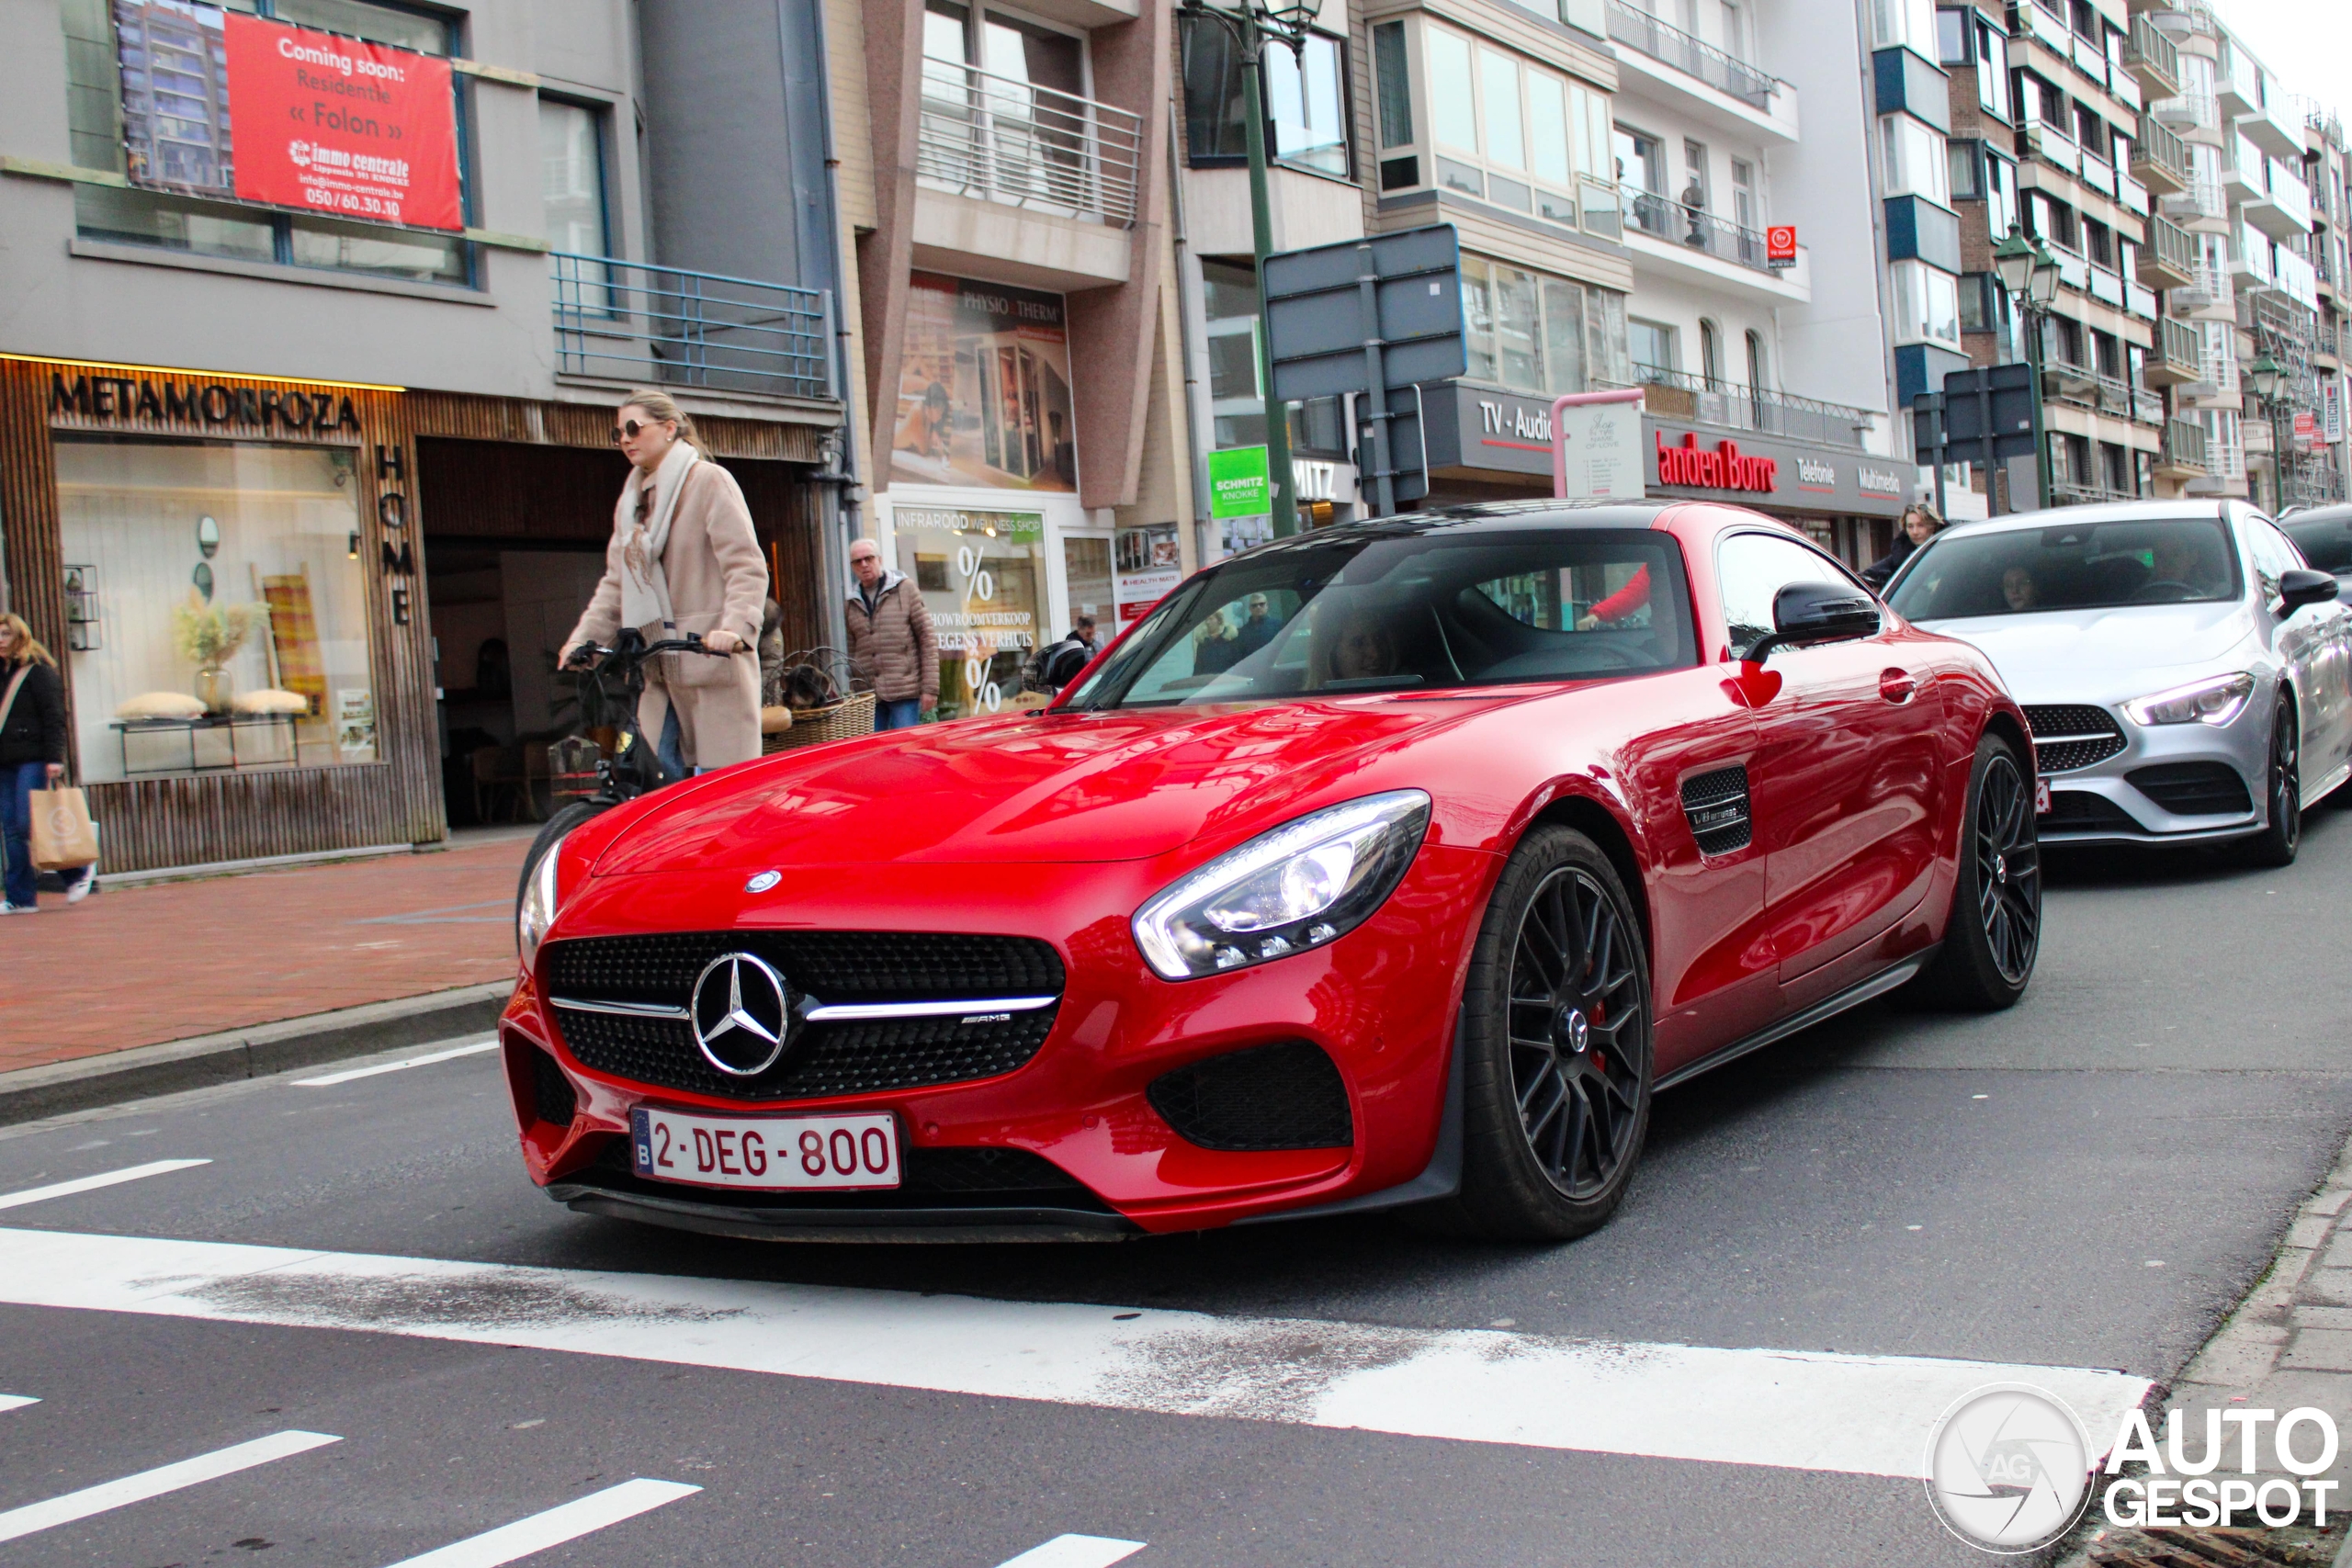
(2009, 1467)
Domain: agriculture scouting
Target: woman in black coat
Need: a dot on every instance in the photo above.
(1919, 524)
(32, 756)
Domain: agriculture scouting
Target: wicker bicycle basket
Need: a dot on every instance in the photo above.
(853, 716)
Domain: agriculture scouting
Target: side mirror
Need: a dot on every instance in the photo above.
(2299, 588)
(1818, 611)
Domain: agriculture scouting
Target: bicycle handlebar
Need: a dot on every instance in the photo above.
(691, 643)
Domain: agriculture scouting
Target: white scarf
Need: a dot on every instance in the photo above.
(645, 587)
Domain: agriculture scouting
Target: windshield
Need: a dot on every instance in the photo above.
(2326, 542)
(1375, 610)
(2094, 566)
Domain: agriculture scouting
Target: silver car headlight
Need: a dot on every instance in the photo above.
(1300, 885)
(535, 912)
(2216, 701)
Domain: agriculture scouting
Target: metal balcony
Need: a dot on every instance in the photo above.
(1637, 29)
(2182, 455)
(1677, 395)
(1000, 139)
(2186, 111)
(2177, 357)
(2159, 159)
(666, 326)
(2169, 258)
(1661, 219)
(2153, 60)
(2201, 198)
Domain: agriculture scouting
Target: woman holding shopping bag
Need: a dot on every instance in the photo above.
(32, 757)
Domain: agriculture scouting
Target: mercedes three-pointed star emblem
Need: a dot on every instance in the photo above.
(743, 1014)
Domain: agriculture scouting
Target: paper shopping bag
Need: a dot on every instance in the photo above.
(64, 836)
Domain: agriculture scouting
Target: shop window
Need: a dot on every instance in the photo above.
(1305, 101)
(990, 567)
(145, 70)
(192, 546)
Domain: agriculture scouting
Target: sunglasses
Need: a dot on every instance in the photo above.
(627, 430)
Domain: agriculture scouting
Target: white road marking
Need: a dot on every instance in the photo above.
(92, 1183)
(580, 1517)
(17, 1401)
(154, 1483)
(474, 1049)
(1790, 1409)
(1076, 1551)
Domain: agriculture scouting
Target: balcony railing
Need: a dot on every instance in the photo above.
(2160, 158)
(2070, 492)
(1678, 395)
(1637, 28)
(2201, 198)
(665, 325)
(1002, 139)
(2152, 57)
(2169, 256)
(1670, 220)
(2188, 108)
(2184, 447)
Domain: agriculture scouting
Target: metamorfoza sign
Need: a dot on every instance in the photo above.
(225, 105)
(133, 399)
(1723, 468)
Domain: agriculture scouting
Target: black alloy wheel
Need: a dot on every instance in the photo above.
(1573, 996)
(2281, 838)
(1556, 1046)
(2009, 870)
(1994, 932)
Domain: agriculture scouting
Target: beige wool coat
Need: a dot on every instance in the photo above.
(719, 580)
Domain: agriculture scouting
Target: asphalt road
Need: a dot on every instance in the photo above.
(2090, 1181)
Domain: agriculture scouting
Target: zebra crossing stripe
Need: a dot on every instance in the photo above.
(92, 1183)
(1076, 1551)
(570, 1522)
(111, 1494)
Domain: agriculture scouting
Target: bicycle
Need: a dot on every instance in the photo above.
(635, 768)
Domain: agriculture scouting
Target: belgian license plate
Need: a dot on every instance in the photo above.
(2042, 798)
(767, 1153)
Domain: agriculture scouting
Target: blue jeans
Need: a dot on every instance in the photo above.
(904, 714)
(17, 780)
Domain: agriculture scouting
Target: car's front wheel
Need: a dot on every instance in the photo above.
(1557, 1037)
(2281, 838)
(1994, 932)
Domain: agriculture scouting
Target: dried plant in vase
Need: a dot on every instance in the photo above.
(209, 635)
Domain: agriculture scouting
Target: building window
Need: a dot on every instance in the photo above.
(277, 570)
(101, 37)
(1976, 307)
(571, 177)
(1952, 35)
(1533, 333)
(1501, 128)
(2000, 194)
(1306, 99)
(1992, 69)
(1915, 159)
(1905, 23)
(1711, 356)
(1653, 346)
(1759, 368)
(1966, 160)
(1927, 304)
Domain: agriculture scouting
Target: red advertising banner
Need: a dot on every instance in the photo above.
(1781, 246)
(341, 125)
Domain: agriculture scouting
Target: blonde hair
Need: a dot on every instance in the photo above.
(27, 645)
(1924, 509)
(664, 407)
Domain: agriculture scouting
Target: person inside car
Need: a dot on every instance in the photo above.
(2019, 589)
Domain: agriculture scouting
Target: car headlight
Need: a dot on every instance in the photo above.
(535, 912)
(1305, 884)
(2216, 701)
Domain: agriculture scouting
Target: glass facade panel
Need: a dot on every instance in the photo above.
(190, 546)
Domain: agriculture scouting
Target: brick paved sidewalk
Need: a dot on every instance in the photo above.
(135, 966)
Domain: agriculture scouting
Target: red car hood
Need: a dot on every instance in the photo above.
(1112, 786)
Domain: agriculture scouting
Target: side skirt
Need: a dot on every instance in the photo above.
(1877, 985)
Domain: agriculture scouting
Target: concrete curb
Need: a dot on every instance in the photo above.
(30, 1093)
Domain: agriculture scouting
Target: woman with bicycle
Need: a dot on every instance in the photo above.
(683, 561)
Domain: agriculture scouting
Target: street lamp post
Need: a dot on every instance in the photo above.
(2028, 273)
(1254, 24)
(2267, 379)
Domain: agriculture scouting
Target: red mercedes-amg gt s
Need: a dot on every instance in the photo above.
(1410, 890)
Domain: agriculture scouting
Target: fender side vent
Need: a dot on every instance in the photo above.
(1716, 804)
(552, 1098)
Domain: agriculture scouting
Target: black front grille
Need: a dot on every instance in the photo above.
(1270, 1097)
(2095, 736)
(552, 1099)
(822, 1059)
(2080, 811)
(1716, 804)
(833, 966)
(2193, 789)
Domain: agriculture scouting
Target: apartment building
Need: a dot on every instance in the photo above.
(2328, 168)
(353, 388)
(2254, 298)
(1017, 383)
(1612, 169)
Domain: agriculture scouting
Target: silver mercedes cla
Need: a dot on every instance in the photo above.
(2184, 672)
